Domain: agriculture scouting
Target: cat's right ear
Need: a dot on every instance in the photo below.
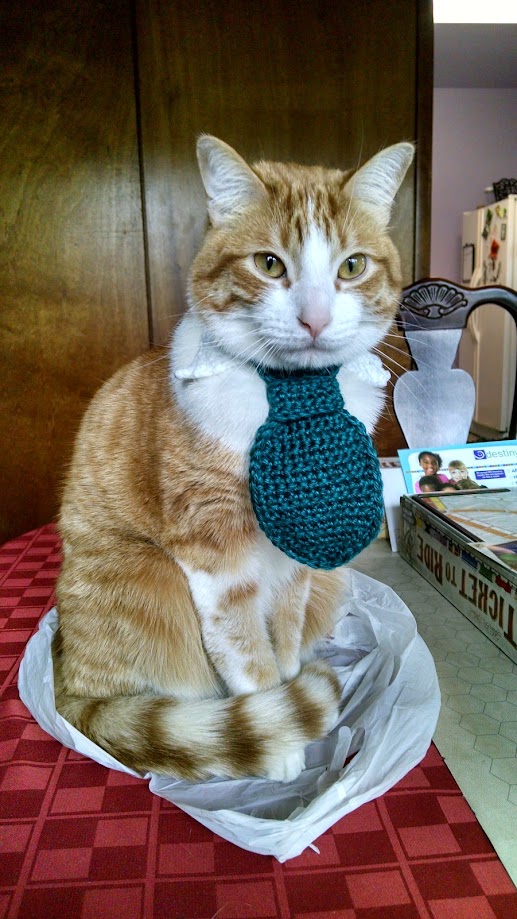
(377, 182)
(231, 186)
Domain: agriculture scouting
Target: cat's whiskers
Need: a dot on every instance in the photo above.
(246, 357)
(161, 357)
(176, 314)
(394, 368)
(422, 363)
(367, 320)
(391, 383)
(397, 363)
(401, 380)
(392, 347)
(271, 349)
(411, 339)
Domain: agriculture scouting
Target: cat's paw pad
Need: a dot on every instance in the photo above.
(286, 768)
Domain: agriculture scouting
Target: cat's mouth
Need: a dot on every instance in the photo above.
(314, 354)
(314, 346)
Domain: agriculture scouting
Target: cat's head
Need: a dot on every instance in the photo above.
(297, 268)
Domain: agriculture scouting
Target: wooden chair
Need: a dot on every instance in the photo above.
(435, 403)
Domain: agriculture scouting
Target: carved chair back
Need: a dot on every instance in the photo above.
(432, 314)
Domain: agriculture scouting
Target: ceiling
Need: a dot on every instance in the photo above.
(471, 55)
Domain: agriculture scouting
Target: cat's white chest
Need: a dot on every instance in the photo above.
(223, 398)
(228, 408)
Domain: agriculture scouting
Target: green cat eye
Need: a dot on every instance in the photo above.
(269, 264)
(352, 267)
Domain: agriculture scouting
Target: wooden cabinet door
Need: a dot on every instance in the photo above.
(88, 278)
(316, 82)
(72, 280)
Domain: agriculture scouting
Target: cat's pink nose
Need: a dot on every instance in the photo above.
(314, 324)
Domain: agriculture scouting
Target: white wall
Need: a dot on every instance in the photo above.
(474, 143)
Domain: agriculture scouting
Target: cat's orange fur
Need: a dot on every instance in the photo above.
(150, 497)
(145, 486)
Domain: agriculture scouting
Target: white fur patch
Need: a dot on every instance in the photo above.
(314, 291)
(271, 571)
(229, 405)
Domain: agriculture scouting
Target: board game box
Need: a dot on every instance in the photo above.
(465, 545)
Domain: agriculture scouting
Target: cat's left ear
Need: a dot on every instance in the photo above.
(231, 186)
(378, 181)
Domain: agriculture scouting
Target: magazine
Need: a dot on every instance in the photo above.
(460, 468)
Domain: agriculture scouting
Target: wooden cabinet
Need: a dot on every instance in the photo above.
(102, 206)
(72, 280)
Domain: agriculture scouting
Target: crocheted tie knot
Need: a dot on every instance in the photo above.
(315, 481)
(301, 394)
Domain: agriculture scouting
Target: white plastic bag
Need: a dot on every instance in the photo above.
(390, 705)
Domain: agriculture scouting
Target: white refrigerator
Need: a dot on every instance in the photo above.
(488, 347)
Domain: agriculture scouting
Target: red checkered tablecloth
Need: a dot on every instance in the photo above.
(78, 840)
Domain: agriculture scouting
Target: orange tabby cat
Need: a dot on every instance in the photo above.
(185, 643)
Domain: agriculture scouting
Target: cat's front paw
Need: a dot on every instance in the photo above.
(306, 711)
(286, 768)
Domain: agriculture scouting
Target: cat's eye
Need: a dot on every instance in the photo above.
(352, 267)
(269, 264)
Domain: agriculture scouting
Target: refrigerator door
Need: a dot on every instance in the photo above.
(472, 224)
(471, 238)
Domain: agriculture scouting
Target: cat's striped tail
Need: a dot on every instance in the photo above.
(263, 734)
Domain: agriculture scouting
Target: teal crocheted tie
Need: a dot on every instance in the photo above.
(315, 480)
